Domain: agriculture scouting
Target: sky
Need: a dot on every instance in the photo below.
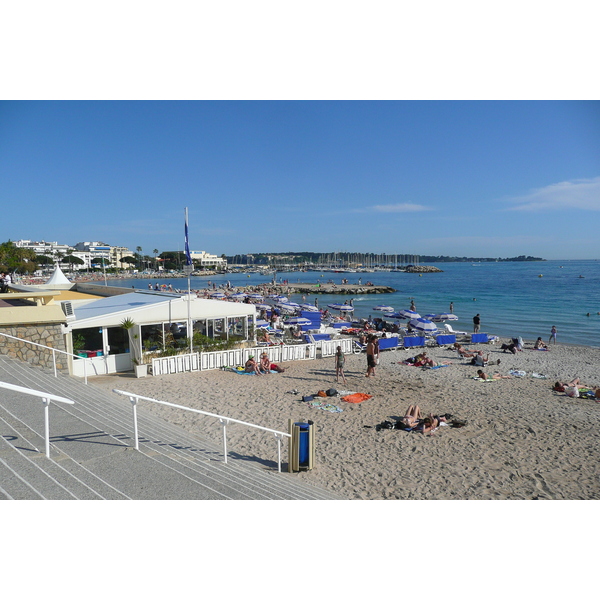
(454, 178)
(397, 129)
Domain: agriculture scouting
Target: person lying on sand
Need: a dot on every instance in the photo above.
(411, 418)
(462, 351)
(481, 361)
(485, 376)
(430, 424)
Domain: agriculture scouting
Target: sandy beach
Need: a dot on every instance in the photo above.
(522, 440)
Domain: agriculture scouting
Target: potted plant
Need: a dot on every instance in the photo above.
(140, 368)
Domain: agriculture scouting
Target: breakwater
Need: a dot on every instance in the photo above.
(329, 288)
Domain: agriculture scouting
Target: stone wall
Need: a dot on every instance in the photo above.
(48, 334)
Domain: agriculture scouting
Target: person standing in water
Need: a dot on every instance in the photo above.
(552, 334)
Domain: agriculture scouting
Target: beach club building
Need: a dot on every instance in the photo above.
(96, 328)
(86, 320)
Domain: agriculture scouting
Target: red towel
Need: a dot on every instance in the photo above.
(356, 398)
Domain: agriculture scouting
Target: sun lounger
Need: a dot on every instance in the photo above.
(479, 338)
(445, 340)
(414, 341)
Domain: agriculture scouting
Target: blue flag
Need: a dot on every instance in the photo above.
(188, 257)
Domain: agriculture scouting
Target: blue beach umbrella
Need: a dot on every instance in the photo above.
(262, 324)
(238, 296)
(341, 307)
(217, 295)
(309, 308)
(255, 296)
(298, 321)
(422, 324)
(438, 318)
(405, 313)
(384, 308)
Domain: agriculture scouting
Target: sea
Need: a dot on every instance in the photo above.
(512, 298)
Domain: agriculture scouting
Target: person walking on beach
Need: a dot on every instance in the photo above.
(340, 359)
(552, 334)
(476, 323)
(371, 356)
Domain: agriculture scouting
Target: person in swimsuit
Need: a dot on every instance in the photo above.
(552, 334)
(371, 362)
(340, 359)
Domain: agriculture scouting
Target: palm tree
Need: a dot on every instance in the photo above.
(155, 252)
(138, 249)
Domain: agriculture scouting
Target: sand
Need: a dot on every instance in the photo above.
(522, 440)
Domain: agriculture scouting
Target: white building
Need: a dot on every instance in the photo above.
(203, 259)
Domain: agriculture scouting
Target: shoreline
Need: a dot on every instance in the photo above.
(522, 440)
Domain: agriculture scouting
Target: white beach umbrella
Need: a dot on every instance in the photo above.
(298, 321)
(341, 307)
(217, 295)
(384, 308)
(404, 313)
(309, 308)
(438, 318)
(255, 296)
(422, 324)
(238, 296)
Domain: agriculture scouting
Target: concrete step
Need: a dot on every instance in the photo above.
(93, 441)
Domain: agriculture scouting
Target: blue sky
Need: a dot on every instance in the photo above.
(465, 178)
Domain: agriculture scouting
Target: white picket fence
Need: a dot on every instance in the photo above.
(204, 361)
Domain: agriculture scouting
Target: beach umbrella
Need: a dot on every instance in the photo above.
(422, 324)
(298, 321)
(438, 318)
(341, 307)
(238, 296)
(309, 308)
(395, 315)
(287, 308)
(255, 296)
(404, 313)
(217, 295)
(263, 306)
(260, 324)
(384, 308)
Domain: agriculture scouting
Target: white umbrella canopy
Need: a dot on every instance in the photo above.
(341, 307)
(384, 308)
(422, 324)
(309, 308)
(405, 313)
(298, 321)
(440, 317)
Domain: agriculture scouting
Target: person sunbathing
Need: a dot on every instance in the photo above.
(560, 386)
(462, 351)
(411, 418)
(539, 345)
(266, 366)
(485, 376)
(430, 424)
(251, 366)
(481, 361)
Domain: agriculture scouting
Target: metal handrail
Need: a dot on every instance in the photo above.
(54, 350)
(46, 401)
(223, 420)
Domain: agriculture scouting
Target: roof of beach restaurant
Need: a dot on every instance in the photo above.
(146, 307)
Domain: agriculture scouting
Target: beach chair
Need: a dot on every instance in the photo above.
(479, 338)
(453, 331)
(414, 341)
(445, 340)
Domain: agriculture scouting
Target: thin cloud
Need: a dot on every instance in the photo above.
(582, 194)
(405, 207)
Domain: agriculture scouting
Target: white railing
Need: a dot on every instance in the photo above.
(223, 420)
(46, 398)
(54, 351)
(218, 359)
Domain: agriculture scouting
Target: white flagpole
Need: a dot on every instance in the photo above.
(189, 269)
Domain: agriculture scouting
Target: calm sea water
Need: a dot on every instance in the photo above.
(511, 297)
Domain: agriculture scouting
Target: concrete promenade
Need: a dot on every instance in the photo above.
(93, 458)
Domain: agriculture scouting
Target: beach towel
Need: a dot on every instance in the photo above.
(436, 367)
(480, 379)
(241, 371)
(516, 373)
(324, 406)
(356, 398)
